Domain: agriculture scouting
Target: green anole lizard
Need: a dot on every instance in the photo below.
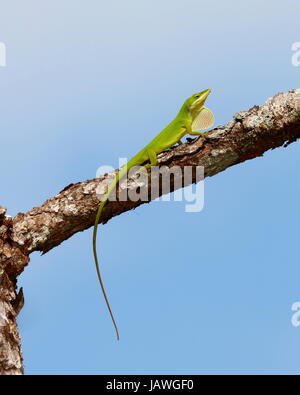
(192, 117)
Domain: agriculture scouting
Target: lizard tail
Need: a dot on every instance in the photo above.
(105, 198)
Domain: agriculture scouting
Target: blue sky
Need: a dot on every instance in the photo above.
(89, 82)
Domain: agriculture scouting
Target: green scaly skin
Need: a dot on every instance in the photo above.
(172, 134)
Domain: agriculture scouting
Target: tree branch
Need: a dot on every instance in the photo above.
(11, 257)
(248, 135)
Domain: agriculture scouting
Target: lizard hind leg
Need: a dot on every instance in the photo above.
(152, 157)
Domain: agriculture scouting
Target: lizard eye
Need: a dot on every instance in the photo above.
(197, 97)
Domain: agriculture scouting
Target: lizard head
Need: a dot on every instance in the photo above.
(202, 118)
(196, 102)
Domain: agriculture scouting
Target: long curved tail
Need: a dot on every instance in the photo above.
(105, 198)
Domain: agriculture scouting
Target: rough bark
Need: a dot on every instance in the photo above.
(248, 135)
(11, 257)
